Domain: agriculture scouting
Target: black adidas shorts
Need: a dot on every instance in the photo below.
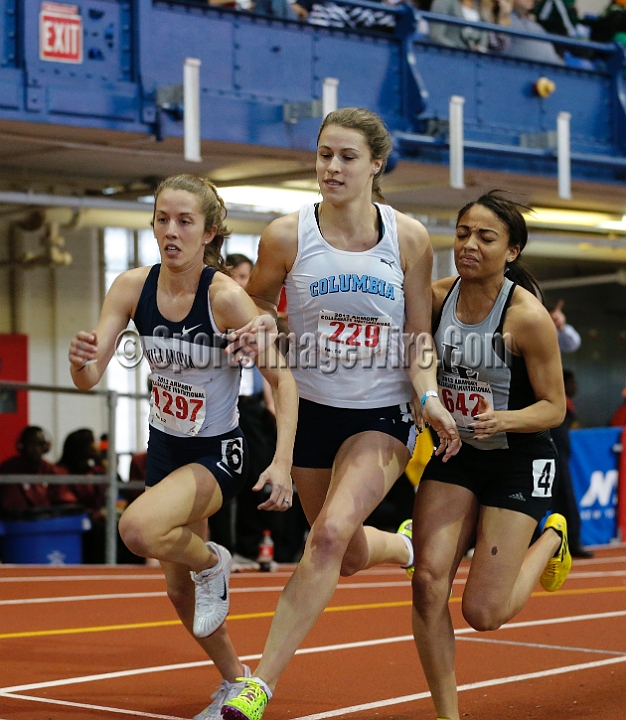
(322, 430)
(522, 478)
(226, 456)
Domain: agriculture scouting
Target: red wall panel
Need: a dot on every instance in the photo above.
(13, 405)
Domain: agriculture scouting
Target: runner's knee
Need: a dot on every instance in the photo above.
(430, 588)
(482, 614)
(138, 533)
(328, 538)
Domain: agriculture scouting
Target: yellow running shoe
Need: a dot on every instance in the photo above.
(249, 704)
(406, 530)
(560, 563)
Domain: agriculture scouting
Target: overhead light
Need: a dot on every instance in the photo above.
(109, 191)
(556, 217)
(619, 225)
(268, 199)
(576, 220)
(260, 199)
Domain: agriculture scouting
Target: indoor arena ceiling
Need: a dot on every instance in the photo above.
(72, 161)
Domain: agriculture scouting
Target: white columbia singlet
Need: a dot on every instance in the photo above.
(346, 310)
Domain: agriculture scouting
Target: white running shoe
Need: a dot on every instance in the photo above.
(224, 692)
(212, 596)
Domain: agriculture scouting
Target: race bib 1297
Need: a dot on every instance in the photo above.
(177, 405)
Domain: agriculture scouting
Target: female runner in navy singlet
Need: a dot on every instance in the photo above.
(182, 309)
(500, 376)
(357, 276)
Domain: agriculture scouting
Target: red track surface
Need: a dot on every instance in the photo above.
(87, 643)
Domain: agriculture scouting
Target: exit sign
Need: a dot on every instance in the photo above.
(60, 33)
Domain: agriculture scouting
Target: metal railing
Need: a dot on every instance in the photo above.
(562, 40)
(109, 479)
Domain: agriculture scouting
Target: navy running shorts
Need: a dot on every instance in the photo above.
(521, 478)
(225, 456)
(322, 430)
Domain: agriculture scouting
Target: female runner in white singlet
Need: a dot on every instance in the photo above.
(357, 276)
(196, 453)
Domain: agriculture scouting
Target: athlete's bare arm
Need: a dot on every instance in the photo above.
(417, 260)
(277, 252)
(90, 352)
(531, 333)
(233, 308)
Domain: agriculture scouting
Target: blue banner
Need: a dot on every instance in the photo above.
(594, 470)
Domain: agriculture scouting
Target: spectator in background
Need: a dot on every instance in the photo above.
(463, 37)
(619, 416)
(564, 499)
(558, 17)
(82, 457)
(569, 339)
(336, 15)
(521, 18)
(282, 9)
(31, 446)
(232, 4)
(611, 25)
(138, 462)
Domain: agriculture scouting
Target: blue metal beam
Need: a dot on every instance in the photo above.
(252, 66)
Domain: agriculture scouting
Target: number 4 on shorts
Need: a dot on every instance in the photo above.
(544, 472)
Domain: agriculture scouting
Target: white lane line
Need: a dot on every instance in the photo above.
(461, 688)
(78, 598)
(109, 676)
(247, 575)
(578, 563)
(598, 574)
(75, 578)
(600, 560)
(199, 663)
(543, 646)
(286, 571)
(124, 596)
(573, 575)
(301, 651)
(554, 621)
(255, 576)
(364, 706)
(67, 703)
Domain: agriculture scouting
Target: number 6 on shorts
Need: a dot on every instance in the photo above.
(232, 454)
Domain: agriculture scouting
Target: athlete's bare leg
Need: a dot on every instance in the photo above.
(503, 573)
(218, 646)
(504, 570)
(444, 519)
(159, 522)
(368, 546)
(365, 468)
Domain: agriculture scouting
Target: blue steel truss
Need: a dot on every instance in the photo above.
(252, 66)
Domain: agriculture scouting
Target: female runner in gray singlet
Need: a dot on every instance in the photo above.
(500, 377)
